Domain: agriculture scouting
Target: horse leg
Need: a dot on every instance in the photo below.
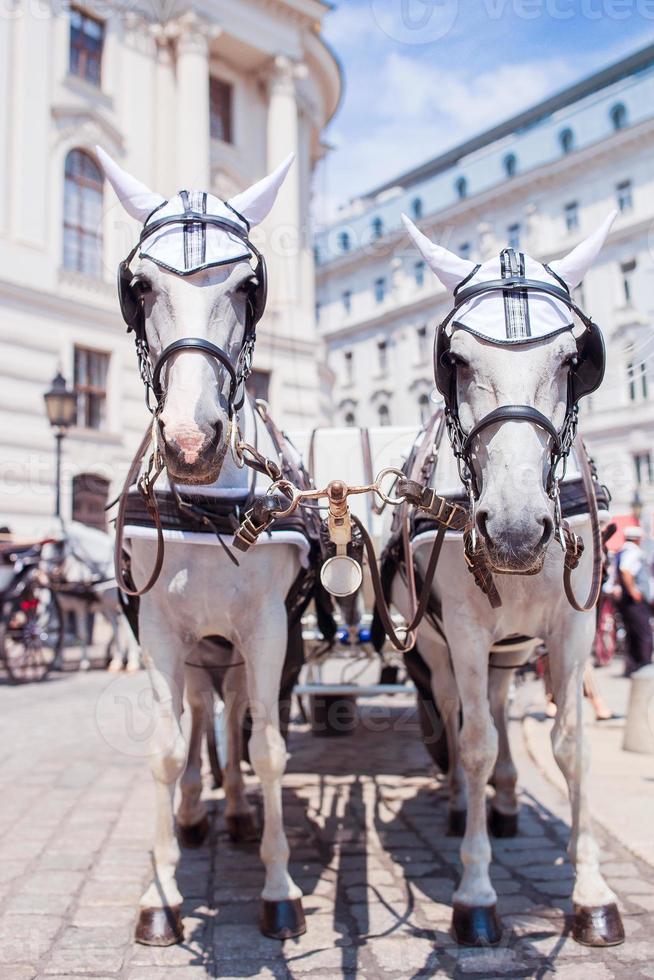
(475, 920)
(264, 651)
(239, 817)
(503, 817)
(446, 696)
(160, 919)
(192, 819)
(596, 920)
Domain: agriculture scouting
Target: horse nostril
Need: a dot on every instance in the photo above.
(217, 433)
(548, 528)
(482, 521)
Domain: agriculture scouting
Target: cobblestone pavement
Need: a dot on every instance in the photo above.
(366, 821)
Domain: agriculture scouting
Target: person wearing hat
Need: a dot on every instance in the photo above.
(634, 578)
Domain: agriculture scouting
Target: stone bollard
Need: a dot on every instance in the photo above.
(639, 728)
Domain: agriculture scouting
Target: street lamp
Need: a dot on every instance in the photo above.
(61, 407)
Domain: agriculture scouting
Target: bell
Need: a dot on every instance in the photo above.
(341, 576)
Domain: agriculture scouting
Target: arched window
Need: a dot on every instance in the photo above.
(416, 208)
(350, 419)
(83, 214)
(510, 164)
(377, 227)
(461, 188)
(618, 115)
(344, 241)
(424, 408)
(384, 415)
(567, 140)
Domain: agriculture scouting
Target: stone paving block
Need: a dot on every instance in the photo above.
(396, 955)
(19, 971)
(52, 883)
(244, 941)
(105, 893)
(488, 962)
(69, 961)
(113, 916)
(40, 904)
(24, 939)
(95, 937)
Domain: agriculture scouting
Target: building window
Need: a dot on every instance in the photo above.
(382, 356)
(318, 311)
(344, 241)
(377, 227)
(618, 116)
(346, 299)
(380, 290)
(464, 250)
(424, 408)
(627, 270)
(461, 188)
(350, 419)
(90, 375)
(82, 214)
(510, 164)
(384, 415)
(419, 274)
(316, 254)
(416, 208)
(638, 381)
(86, 41)
(421, 334)
(571, 214)
(348, 358)
(567, 140)
(221, 110)
(90, 493)
(643, 468)
(513, 235)
(258, 384)
(624, 196)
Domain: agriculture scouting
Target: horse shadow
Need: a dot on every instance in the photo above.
(366, 819)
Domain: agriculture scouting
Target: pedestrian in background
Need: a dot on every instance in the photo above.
(634, 579)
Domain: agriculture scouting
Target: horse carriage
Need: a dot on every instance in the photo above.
(477, 574)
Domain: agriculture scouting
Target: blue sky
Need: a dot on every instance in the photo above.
(421, 75)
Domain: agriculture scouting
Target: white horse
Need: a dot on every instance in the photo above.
(506, 356)
(82, 559)
(198, 280)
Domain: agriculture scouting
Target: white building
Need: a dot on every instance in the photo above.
(214, 98)
(543, 180)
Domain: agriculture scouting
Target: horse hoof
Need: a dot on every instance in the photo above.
(242, 828)
(193, 835)
(456, 823)
(502, 824)
(283, 920)
(476, 926)
(598, 926)
(160, 927)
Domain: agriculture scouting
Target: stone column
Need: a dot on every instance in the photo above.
(193, 140)
(283, 230)
(165, 135)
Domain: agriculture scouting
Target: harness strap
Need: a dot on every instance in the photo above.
(574, 545)
(146, 489)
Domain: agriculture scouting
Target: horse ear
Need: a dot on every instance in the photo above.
(137, 199)
(574, 266)
(451, 269)
(256, 202)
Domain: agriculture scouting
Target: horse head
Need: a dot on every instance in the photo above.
(511, 353)
(193, 290)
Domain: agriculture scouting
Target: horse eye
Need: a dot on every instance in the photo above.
(141, 285)
(457, 361)
(246, 285)
(572, 361)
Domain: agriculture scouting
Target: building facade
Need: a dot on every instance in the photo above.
(214, 97)
(542, 182)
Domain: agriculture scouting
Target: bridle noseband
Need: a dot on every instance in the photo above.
(131, 304)
(583, 378)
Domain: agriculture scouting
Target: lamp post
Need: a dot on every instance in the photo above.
(61, 408)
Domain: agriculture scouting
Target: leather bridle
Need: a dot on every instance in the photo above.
(131, 304)
(585, 375)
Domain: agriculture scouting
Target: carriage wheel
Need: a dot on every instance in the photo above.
(33, 633)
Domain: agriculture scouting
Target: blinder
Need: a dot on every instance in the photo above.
(131, 308)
